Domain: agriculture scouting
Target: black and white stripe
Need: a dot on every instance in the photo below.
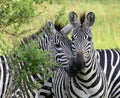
(62, 51)
(7, 87)
(91, 73)
(5, 78)
(24, 90)
(110, 62)
(100, 75)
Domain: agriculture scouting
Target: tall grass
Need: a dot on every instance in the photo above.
(106, 29)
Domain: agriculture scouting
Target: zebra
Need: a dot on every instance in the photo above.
(5, 81)
(67, 83)
(99, 75)
(60, 40)
(47, 41)
(70, 82)
(7, 86)
(62, 47)
(5, 78)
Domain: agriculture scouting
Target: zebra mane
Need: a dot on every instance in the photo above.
(35, 37)
(58, 25)
(82, 18)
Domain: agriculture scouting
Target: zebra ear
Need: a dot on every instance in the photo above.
(50, 27)
(90, 19)
(66, 30)
(73, 18)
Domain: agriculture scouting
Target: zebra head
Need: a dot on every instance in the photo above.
(61, 43)
(64, 54)
(82, 44)
(58, 27)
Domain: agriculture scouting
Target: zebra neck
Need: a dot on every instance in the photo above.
(91, 80)
(90, 69)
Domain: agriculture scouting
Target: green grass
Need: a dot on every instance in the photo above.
(106, 30)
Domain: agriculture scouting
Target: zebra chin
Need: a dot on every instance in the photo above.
(75, 67)
(71, 71)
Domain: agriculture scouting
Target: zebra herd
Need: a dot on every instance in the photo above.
(83, 72)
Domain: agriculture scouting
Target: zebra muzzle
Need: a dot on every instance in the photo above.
(75, 66)
(71, 71)
(79, 62)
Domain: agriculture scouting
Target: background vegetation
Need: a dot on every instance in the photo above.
(30, 60)
(18, 18)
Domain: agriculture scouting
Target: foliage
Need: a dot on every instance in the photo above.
(16, 13)
(60, 14)
(29, 60)
(14, 16)
(105, 30)
(100, 1)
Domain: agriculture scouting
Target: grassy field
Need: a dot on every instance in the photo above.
(106, 30)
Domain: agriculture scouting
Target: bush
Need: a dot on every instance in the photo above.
(15, 13)
(15, 19)
(29, 60)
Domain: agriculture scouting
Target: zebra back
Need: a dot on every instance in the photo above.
(109, 60)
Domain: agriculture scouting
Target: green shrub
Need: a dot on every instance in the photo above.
(15, 13)
(60, 15)
(32, 61)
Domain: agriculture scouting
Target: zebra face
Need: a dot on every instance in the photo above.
(82, 44)
(75, 66)
(63, 48)
(61, 43)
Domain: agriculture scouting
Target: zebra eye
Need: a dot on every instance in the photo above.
(57, 45)
(89, 38)
(72, 38)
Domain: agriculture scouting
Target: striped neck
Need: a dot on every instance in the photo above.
(90, 69)
(91, 80)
